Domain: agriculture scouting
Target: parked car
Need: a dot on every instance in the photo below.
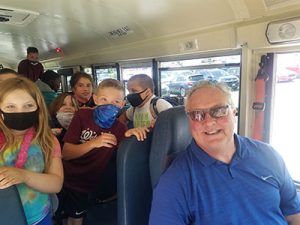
(220, 75)
(284, 75)
(295, 69)
(181, 84)
(165, 90)
(165, 79)
(234, 71)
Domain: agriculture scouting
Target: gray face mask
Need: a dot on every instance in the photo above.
(64, 118)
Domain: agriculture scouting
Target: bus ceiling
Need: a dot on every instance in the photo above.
(80, 32)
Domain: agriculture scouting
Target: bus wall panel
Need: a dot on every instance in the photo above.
(214, 40)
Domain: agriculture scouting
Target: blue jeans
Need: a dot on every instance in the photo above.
(46, 221)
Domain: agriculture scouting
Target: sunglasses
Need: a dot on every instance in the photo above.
(216, 112)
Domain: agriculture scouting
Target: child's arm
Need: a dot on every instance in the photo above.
(73, 151)
(139, 132)
(49, 182)
(152, 124)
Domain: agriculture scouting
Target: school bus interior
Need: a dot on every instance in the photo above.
(177, 43)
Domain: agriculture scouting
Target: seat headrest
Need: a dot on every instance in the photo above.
(134, 185)
(171, 135)
(12, 211)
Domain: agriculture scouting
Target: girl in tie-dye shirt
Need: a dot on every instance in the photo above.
(30, 155)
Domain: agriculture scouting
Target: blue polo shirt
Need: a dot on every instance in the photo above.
(255, 188)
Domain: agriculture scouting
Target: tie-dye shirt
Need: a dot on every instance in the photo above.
(36, 204)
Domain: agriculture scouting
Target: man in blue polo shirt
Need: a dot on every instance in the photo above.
(223, 178)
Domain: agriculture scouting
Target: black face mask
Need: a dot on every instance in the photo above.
(20, 121)
(135, 99)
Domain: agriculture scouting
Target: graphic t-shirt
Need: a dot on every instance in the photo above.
(142, 116)
(36, 204)
(83, 173)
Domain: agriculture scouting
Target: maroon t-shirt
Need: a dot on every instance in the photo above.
(82, 174)
(31, 70)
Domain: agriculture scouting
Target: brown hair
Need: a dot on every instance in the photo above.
(8, 70)
(76, 77)
(59, 101)
(43, 135)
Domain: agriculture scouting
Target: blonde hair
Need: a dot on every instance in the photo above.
(43, 135)
(112, 83)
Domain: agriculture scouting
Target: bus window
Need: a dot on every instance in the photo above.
(129, 71)
(66, 74)
(178, 77)
(285, 121)
(104, 73)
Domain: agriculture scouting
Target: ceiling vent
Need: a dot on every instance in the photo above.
(284, 31)
(120, 32)
(16, 16)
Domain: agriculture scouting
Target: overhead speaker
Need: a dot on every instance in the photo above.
(284, 31)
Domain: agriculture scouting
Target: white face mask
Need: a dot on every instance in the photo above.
(64, 118)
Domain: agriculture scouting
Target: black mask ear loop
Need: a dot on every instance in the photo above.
(143, 92)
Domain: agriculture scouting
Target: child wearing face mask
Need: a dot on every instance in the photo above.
(30, 155)
(141, 88)
(90, 145)
(62, 111)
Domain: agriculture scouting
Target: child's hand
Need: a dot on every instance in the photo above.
(56, 131)
(152, 123)
(10, 176)
(105, 140)
(139, 132)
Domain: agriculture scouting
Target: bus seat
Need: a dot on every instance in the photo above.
(137, 160)
(171, 135)
(134, 187)
(12, 212)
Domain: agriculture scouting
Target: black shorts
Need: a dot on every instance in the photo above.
(75, 203)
